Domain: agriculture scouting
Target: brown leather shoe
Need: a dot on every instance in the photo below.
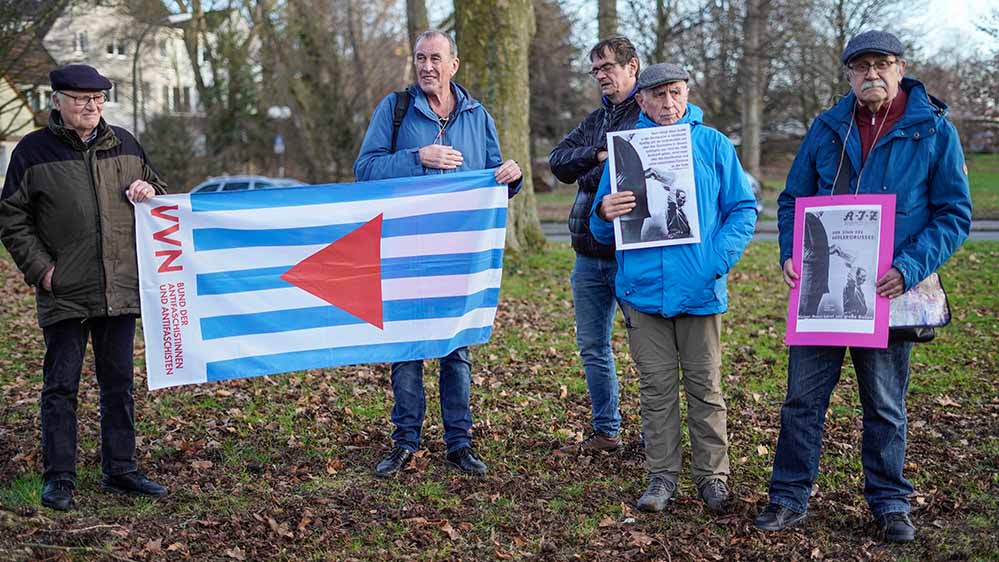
(596, 442)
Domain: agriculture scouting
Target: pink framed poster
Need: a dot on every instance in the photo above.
(842, 245)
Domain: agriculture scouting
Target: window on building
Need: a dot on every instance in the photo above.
(166, 99)
(113, 94)
(182, 99)
(81, 43)
(163, 48)
(117, 46)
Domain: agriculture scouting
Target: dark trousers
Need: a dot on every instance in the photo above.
(65, 345)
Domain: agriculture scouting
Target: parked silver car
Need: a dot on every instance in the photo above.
(238, 183)
(757, 190)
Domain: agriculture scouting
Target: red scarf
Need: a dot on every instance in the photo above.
(880, 124)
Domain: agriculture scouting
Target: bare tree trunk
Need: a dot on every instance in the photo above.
(494, 40)
(754, 85)
(416, 19)
(607, 18)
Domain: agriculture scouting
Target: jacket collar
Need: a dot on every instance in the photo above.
(606, 102)
(105, 135)
(694, 116)
(463, 101)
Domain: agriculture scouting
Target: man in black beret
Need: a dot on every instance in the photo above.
(886, 136)
(67, 219)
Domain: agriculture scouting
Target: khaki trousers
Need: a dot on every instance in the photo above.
(660, 347)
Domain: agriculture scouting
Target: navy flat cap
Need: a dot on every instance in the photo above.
(79, 77)
(873, 41)
(662, 73)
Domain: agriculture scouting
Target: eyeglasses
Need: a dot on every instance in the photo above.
(605, 68)
(82, 101)
(862, 68)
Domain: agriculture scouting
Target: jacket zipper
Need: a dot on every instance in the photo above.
(91, 159)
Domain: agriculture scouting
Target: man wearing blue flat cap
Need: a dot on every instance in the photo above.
(67, 220)
(886, 136)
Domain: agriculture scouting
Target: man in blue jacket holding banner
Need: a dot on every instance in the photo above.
(673, 297)
(886, 136)
(440, 128)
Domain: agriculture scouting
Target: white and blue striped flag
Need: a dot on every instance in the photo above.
(249, 283)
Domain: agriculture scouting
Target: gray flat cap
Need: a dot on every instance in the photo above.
(873, 41)
(662, 73)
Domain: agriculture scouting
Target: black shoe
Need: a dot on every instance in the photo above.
(393, 463)
(132, 483)
(58, 494)
(897, 527)
(777, 517)
(715, 495)
(464, 459)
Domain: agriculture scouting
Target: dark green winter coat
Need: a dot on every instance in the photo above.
(64, 205)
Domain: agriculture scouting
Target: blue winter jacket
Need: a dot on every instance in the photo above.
(689, 278)
(919, 160)
(470, 131)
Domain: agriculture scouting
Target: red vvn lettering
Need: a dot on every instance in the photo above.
(163, 235)
(171, 256)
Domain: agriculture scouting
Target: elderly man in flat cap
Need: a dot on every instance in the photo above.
(66, 217)
(886, 136)
(673, 298)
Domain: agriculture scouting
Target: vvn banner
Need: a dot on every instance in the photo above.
(248, 283)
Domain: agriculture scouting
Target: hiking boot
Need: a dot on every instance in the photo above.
(715, 495)
(596, 442)
(132, 483)
(58, 494)
(464, 459)
(777, 518)
(393, 463)
(897, 527)
(658, 495)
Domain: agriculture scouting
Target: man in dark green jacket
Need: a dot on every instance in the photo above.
(66, 218)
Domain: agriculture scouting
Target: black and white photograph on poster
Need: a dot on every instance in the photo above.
(656, 165)
(839, 269)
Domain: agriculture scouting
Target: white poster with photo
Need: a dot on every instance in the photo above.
(657, 166)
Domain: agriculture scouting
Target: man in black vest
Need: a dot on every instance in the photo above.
(580, 157)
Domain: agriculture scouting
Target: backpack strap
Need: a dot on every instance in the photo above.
(402, 99)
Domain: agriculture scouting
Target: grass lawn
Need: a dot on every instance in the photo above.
(279, 468)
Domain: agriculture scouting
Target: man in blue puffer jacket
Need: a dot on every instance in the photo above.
(886, 136)
(673, 298)
(444, 130)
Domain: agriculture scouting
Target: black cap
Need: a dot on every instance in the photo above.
(873, 41)
(79, 77)
(662, 73)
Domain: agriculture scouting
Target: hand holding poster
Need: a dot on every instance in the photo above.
(656, 165)
(249, 283)
(842, 245)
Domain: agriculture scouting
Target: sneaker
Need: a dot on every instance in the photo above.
(715, 495)
(58, 495)
(393, 463)
(464, 459)
(777, 517)
(596, 442)
(658, 495)
(132, 483)
(897, 527)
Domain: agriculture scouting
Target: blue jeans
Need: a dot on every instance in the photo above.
(411, 404)
(883, 380)
(594, 300)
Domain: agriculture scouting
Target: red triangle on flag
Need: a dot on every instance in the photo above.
(347, 273)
